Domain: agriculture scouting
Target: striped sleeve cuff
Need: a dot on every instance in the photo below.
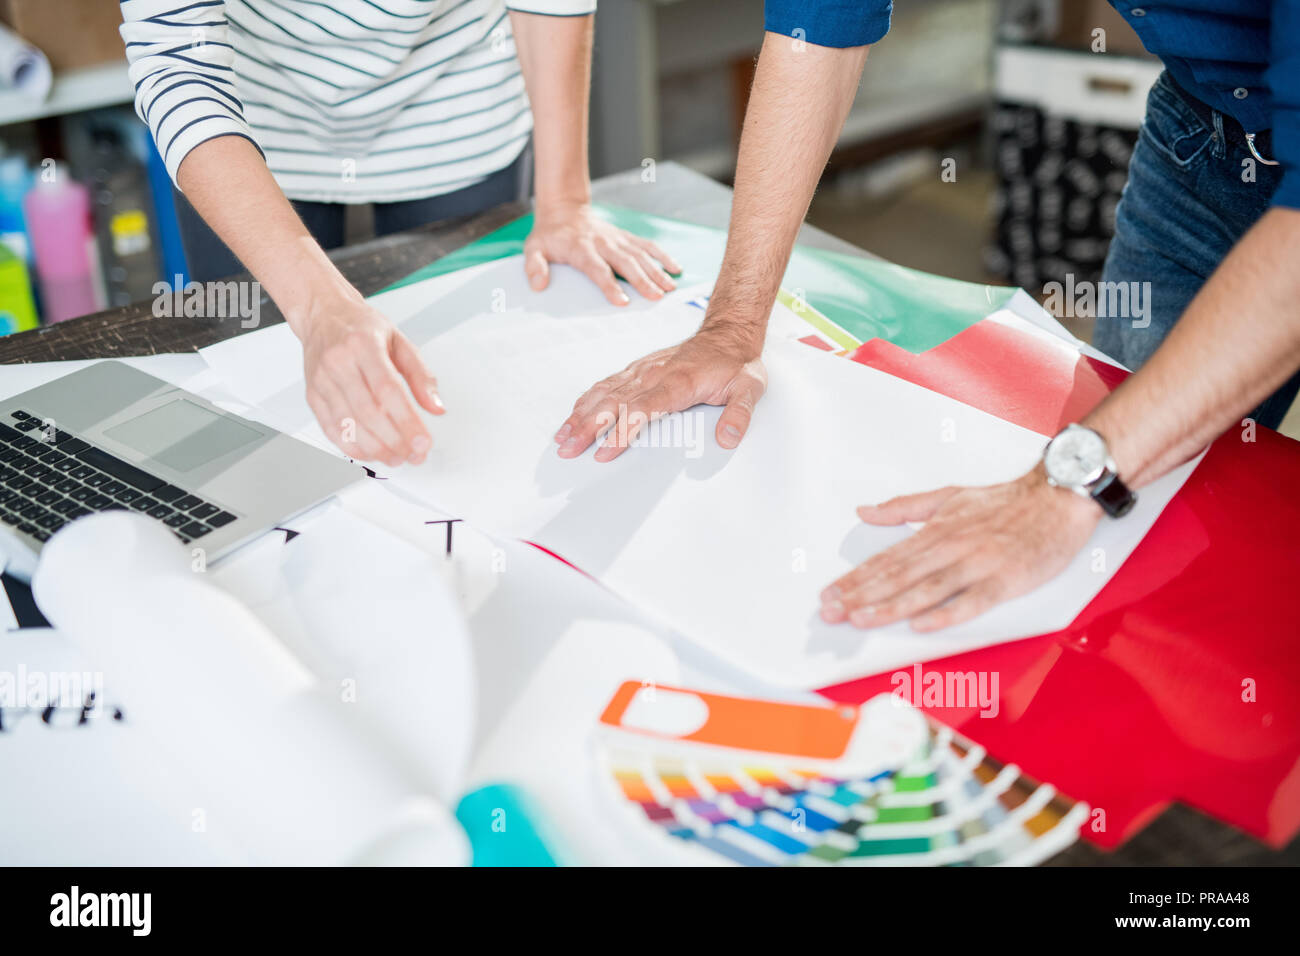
(553, 8)
(199, 129)
(182, 65)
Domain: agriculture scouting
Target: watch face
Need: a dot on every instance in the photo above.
(1075, 457)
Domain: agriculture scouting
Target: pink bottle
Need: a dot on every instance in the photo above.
(58, 219)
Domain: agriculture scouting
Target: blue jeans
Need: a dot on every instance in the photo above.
(1185, 206)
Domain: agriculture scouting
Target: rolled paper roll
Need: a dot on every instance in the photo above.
(268, 761)
(400, 655)
(23, 68)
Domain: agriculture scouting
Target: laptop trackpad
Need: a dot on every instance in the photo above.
(182, 435)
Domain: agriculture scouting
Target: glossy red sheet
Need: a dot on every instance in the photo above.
(1181, 680)
(989, 366)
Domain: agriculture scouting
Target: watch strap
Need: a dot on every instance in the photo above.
(1115, 497)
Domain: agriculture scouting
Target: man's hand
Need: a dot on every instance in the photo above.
(572, 234)
(979, 547)
(361, 373)
(800, 98)
(706, 369)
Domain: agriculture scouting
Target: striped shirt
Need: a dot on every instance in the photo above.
(348, 100)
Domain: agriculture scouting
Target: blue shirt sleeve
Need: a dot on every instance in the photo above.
(1284, 82)
(838, 23)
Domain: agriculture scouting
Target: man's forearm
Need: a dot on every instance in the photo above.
(1238, 341)
(555, 56)
(228, 183)
(801, 97)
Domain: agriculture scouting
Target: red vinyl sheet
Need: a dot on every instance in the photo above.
(1029, 380)
(1180, 681)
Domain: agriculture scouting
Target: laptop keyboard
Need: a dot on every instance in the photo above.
(48, 478)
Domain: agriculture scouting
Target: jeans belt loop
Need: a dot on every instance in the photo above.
(1220, 148)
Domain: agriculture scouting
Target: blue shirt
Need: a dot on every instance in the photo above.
(1241, 57)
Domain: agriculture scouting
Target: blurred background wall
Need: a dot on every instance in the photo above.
(1037, 126)
(1037, 110)
(1037, 164)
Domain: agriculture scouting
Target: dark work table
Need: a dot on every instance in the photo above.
(677, 193)
(1180, 836)
(134, 330)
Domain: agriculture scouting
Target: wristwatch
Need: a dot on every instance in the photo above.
(1077, 459)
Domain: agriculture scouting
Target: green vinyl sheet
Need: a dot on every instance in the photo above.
(866, 298)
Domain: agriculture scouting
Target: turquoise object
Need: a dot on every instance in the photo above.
(505, 827)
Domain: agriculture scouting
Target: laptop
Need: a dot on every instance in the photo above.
(112, 437)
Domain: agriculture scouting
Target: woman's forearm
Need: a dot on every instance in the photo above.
(363, 378)
(228, 183)
(555, 56)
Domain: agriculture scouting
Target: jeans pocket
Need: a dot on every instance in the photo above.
(1174, 129)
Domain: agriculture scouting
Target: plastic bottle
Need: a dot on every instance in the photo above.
(17, 310)
(59, 224)
(15, 180)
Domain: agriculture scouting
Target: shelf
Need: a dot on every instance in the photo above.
(87, 88)
(871, 118)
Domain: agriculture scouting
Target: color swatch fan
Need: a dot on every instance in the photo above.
(709, 779)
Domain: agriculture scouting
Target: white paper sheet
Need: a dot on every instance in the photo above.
(730, 549)
(733, 549)
(86, 792)
(264, 368)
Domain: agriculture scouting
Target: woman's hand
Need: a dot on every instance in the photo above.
(361, 376)
(572, 234)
